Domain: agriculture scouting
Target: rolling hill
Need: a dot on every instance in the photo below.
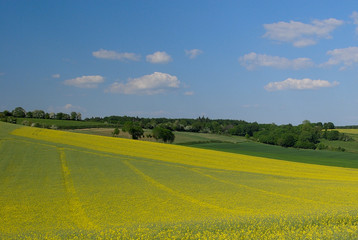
(57, 185)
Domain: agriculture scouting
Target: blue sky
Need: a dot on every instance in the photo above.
(264, 61)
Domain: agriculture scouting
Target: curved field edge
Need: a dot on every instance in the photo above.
(189, 156)
(319, 157)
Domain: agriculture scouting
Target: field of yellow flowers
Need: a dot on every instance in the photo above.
(58, 185)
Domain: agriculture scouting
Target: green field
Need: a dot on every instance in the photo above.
(237, 144)
(329, 158)
(349, 146)
(64, 185)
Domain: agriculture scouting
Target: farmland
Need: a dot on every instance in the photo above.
(57, 185)
(184, 138)
(62, 124)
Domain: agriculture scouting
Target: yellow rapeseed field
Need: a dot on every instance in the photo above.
(349, 131)
(189, 156)
(61, 185)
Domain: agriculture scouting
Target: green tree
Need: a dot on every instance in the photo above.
(38, 114)
(305, 144)
(134, 129)
(79, 116)
(329, 125)
(286, 140)
(19, 112)
(73, 116)
(29, 114)
(115, 132)
(7, 113)
(59, 116)
(164, 134)
(66, 116)
(332, 135)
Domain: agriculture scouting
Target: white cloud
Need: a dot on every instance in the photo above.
(346, 56)
(253, 60)
(85, 81)
(68, 106)
(56, 75)
(193, 53)
(299, 84)
(189, 93)
(301, 34)
(146, 85)
(159, 57)
(113, 55)
(354, 16)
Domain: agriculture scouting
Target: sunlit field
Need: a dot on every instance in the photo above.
(57, 185)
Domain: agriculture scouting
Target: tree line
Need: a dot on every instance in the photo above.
(306, 135)
(19, 112)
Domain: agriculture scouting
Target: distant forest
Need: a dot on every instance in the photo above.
(306, 135)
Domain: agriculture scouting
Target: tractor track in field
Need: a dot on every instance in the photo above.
(79, 215)
(184, 196)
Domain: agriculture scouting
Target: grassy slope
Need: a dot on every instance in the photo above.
(62, 186)
(350, 146)
(236, 144)
(185, 138)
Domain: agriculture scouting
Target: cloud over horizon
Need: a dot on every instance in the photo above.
(299, 84)
(113, 55)
(146, 85)
(252, 60)
(159, 57)
(85, 81)
(301, 34)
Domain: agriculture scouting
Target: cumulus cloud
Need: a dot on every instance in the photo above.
(113, 55)
(193, 53)
(354, 16)
(56, 75)
(346, 56)
(85, 81)
(299, 84)
(159, 57)
(253, 60)
(301, 34)
(146, 85)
